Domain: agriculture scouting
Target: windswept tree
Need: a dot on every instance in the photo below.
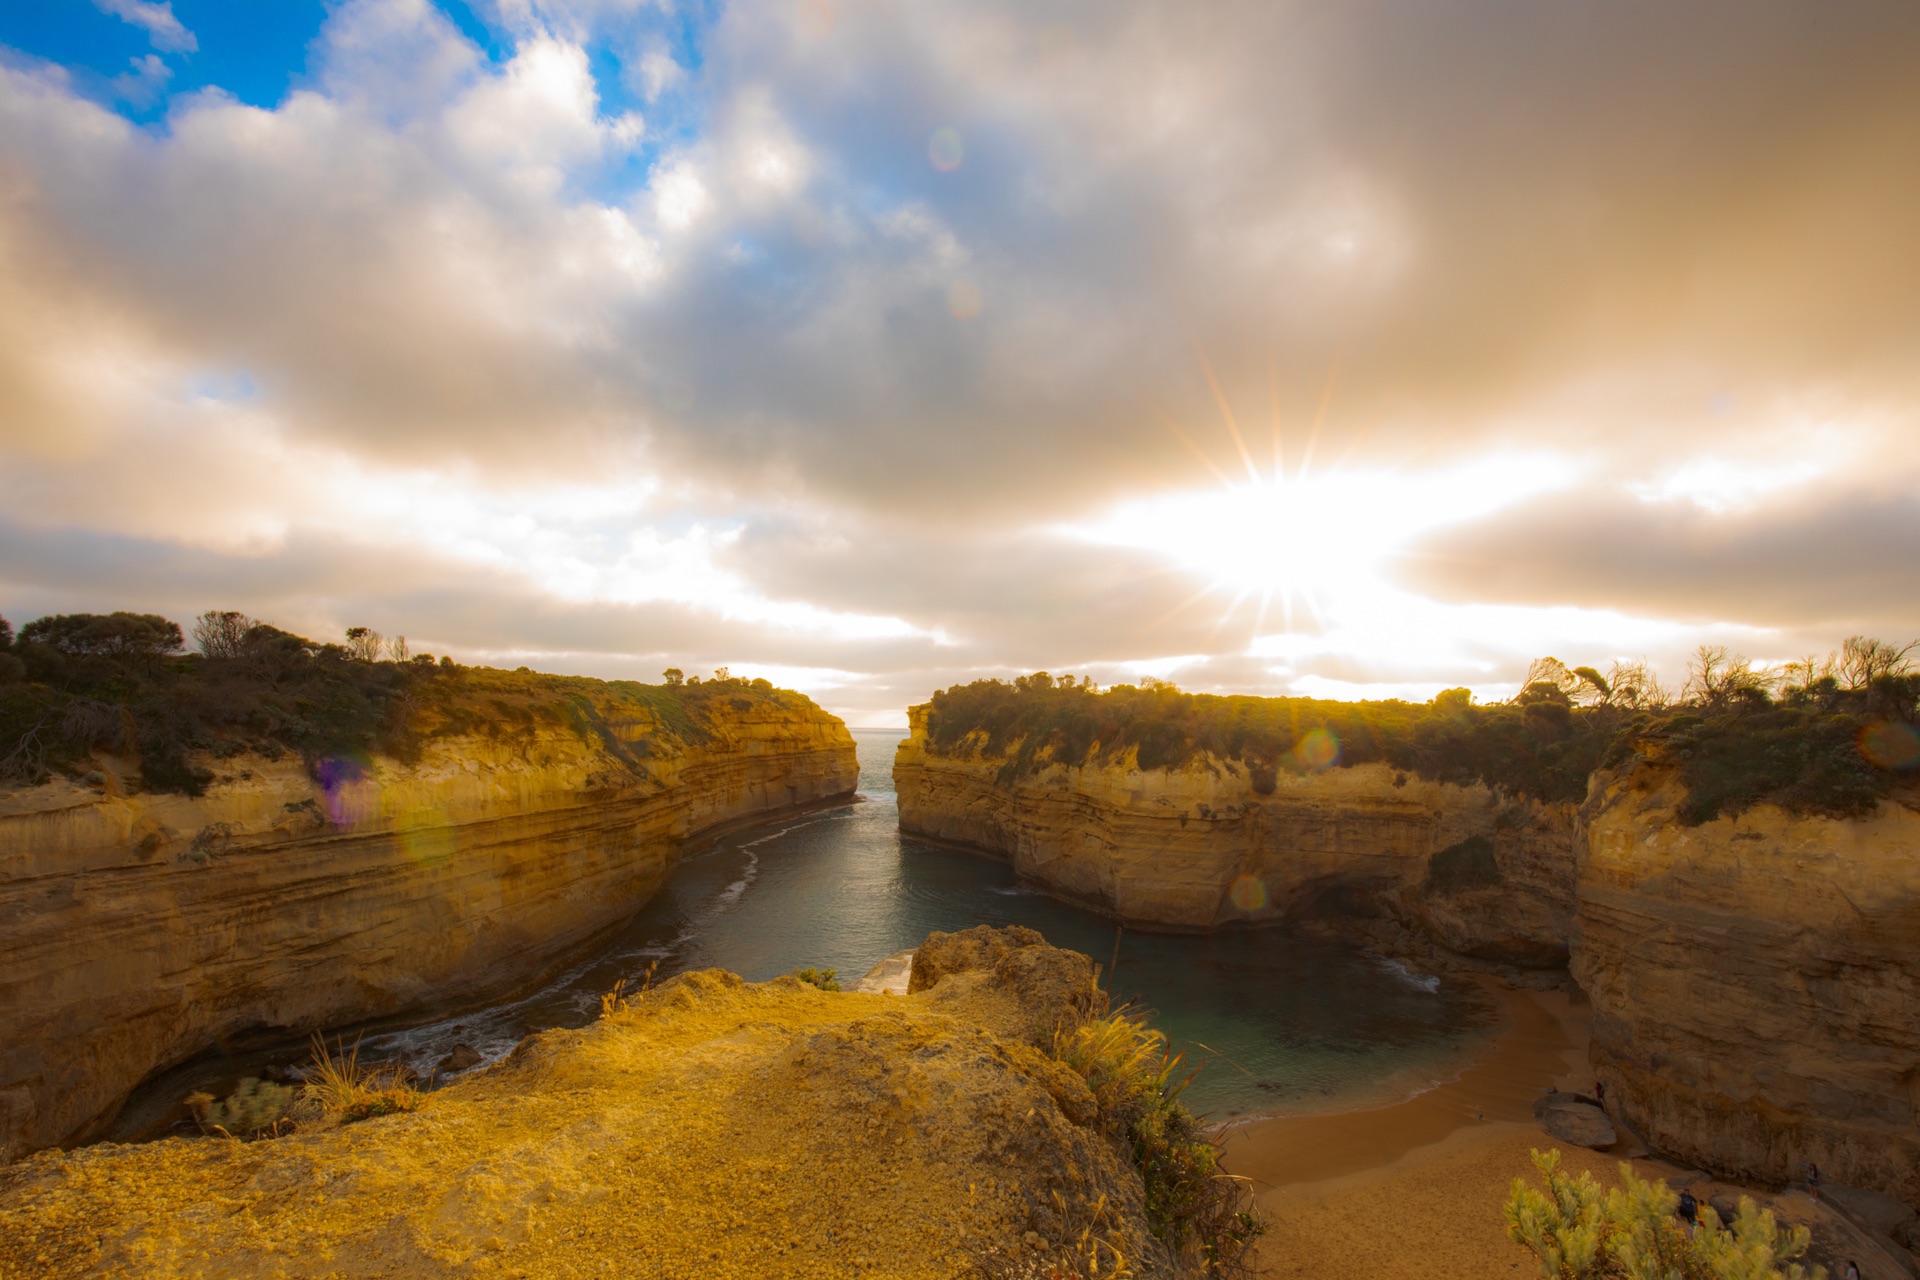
(1863, 661)
(1633, 685)
(365, 644)
(1716, 676)
(222, 633)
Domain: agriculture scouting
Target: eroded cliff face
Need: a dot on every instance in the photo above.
(138, 930)
(1481, 875)
(1756, 983)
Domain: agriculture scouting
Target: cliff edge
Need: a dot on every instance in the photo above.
(1756, 982)
(1207, 842)
(708, 1127)
(139, 927)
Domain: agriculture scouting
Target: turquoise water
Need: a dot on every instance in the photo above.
(1281, 1024)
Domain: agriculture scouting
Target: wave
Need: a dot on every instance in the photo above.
(1427, 982)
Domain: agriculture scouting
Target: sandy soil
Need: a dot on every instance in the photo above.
(1418, 1189)
(1348, 1194)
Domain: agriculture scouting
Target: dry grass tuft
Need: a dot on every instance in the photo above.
(1204, 1216)
(340, 1090)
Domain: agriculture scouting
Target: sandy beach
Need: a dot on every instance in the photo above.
(1416, 1189)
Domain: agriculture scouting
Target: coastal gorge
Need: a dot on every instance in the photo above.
(469, 832)
(1736, 888)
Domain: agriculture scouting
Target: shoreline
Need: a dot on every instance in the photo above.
(1541, 1043)
(1417, 1189)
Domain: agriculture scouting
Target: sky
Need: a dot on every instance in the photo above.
(1355, 349)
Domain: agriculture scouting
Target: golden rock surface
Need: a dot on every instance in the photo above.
(707, 1128)
(136, 930)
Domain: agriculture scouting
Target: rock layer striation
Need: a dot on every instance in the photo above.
(1756, 983)
(1482, 875)
(137, 930)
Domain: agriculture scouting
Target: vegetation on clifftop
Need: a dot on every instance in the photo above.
(1829, 738)
(123, 685)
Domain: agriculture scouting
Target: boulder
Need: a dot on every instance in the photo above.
(464, 1057)
(1575, 1119)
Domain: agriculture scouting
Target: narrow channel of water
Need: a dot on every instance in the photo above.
(1281, 1023)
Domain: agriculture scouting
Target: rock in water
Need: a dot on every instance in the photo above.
(464, 1057)
(1576, 1120)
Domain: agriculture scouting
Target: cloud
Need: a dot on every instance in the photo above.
(760, 343)
(156, 19)
(1823, 562)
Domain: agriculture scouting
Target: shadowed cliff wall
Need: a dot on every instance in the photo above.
(1756, 982)
(137, 930)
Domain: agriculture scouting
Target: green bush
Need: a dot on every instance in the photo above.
(1802, 752)
(118, 684)
(825, 979)
(1203, 1215)
(1576, 1231)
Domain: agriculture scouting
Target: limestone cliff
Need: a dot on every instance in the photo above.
(137, 930)
(706, 1128)
(1756, 982)
(1198, 846)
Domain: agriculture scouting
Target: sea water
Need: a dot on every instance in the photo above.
(1277, 1023)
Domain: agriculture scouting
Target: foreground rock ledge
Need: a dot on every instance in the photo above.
(712, 1127)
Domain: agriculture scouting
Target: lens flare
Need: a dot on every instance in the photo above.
(946, 149)
(351, 796)
(1318, 749)
(1891, 745)
(1248, 893)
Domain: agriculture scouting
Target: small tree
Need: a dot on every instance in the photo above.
(397, 648)
(365, 643)
(1863, 661)
(222, 633)
(1716, 677)
(1633, 685)
(6, 635)
(674, 676)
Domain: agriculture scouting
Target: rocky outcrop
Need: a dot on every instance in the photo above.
(1756, 983)
(1479, 874)
(136, 930)
(1576, 1119)
(708, 1127)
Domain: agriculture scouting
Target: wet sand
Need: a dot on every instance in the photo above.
(1417, 1189)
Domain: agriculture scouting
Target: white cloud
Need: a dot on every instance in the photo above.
(156, 19)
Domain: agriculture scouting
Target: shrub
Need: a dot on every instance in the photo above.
(1732, 750)
(76, 684)
(1576, 1231)
(339, 1090)
(825, 979)
(1202, 1215)
(252, 1107)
